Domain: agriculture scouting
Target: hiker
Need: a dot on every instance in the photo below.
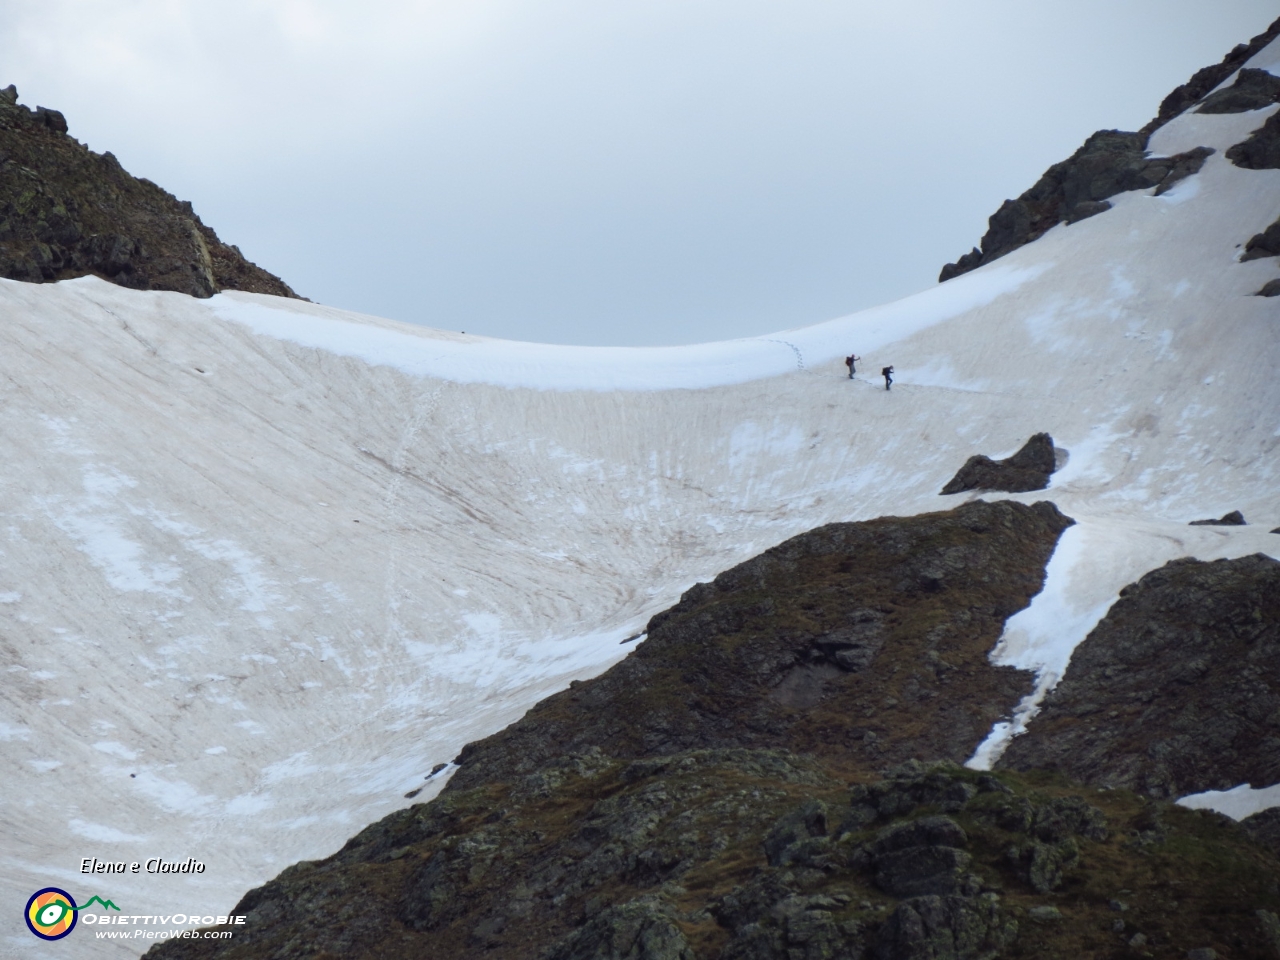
(851, 361)
(887, 373)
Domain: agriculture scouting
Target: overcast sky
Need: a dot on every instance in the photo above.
(605, 171)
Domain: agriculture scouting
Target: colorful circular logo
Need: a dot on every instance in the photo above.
(51, 913)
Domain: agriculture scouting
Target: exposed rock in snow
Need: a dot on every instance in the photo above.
(1262, 150)
(1233, 519)
(1110, 162)
(1252, 90)
(1176, 691)
(1028, 469)
(1264, 244)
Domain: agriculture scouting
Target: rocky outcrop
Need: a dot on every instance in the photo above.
(1177, 689)
(1270, 289)
(1207, 78)
(1252, 90)
(66, 211)
(1261, 151)
(1028, 469)
(762, 855)
(1109, 163)
(865, 643)
(1265, 244)
(1233, 519)
(1113, 162)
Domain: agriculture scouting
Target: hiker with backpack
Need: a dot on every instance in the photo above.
(887, 373)
(851, 361)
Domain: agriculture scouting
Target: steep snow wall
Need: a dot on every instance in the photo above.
(263, 564)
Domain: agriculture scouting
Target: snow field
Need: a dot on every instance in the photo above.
(263, 564)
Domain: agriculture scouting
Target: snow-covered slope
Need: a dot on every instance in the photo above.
(264, 563)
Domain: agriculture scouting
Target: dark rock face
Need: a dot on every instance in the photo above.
(1270, 289)
(1233, 519)
(1253, 90)
(1205, 79)
(1109, 163)
(1262, 150)
(863, 642)
(1265, 244)
(68, 212)
(1028, 469)
(1176, 691)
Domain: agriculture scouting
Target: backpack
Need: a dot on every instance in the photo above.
(886, 371)
(848, 361)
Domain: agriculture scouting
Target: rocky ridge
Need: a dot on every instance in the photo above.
(1113, 161)
(66, 211)
(1205, 79)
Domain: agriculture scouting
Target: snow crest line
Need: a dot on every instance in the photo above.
(422, 352)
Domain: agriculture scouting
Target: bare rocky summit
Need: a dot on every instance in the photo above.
(66, 211)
